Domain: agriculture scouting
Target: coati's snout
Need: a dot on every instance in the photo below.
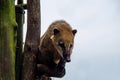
(65, 51)
(67, 58)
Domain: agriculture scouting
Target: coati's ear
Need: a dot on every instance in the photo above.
(56, 31)
(74, 31)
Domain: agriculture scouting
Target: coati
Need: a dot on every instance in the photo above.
(55, 49)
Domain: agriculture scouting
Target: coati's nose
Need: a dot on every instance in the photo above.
(68, 59)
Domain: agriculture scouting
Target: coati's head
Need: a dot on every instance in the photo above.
(62, 37)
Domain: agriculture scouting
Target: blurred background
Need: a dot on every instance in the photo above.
(96, 53)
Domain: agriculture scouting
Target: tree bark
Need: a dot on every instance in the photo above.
(32, 40)
(7, 39)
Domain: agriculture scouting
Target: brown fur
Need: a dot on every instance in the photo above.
(55, 48)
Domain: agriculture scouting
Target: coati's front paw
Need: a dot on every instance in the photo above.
(60, 72)
(54, 72)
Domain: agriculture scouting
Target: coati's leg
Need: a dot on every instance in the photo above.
(57, 71)
(50, 72)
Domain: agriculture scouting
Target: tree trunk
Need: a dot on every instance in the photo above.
(7, 39)
(32, 40)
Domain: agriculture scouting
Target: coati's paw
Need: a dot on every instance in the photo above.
(60, 72)
(57, 71)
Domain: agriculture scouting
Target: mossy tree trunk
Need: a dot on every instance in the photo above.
(7, 39)
(32, 40)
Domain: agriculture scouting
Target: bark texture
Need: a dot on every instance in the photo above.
(32, 40)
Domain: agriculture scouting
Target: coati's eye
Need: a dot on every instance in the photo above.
(61, 44)
(71, 45)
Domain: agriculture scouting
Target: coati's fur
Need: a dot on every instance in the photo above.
(55, 49)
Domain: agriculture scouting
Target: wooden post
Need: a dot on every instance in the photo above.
(19, 45)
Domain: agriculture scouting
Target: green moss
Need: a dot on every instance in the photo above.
(7, 34)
